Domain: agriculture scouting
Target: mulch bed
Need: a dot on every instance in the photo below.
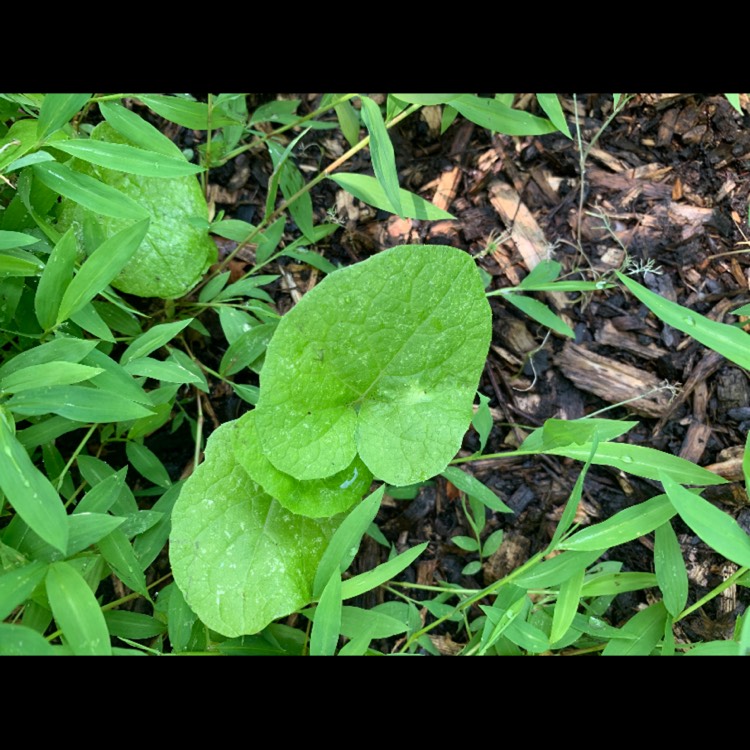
(666, 181)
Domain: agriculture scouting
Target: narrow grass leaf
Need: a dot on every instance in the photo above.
(137, 130)
(571, 507)
(20, 139)
(734, 100)
(557, 569)
(527, 636)
(624, 526)
(246, 349)
(103, 495)
(67, 349)
(482, 420)
(125, 158)
(19, 640)
(746, 461)
(78, 402)
(730, 342)
(611, 584)
(669, 566)
(102, 266)
(88, 191)
(500, 118)
(168, 372)
(327, 625)
(57, 275)
(539, 312)
(356, 621)
(16, 262)
(426, 100)
(372, 579)
(118, 553)
(192, 115)
(88, 528)
(292, 182)
(147, 463)
(566, 607)
(51, 373)
(153, 339)
(348, 121)
(648, 628)
(381, 151)
(551, 106)
(116, 380)
(345, 541)
(716, 528)
(370, 191)
(474, 488)
(715, 648)
(76, 611)
(564, 432)
(57, 110)
(90, 321)
(642, 462)
(133, 625)
(17, 585)
(29, 492)
(149, 544)
(10, 240)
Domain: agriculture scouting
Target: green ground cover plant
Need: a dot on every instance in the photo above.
(367, 385)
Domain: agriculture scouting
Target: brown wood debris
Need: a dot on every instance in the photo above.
(611, 336)
(613, 381)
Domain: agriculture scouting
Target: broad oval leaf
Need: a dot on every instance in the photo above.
(370, 191)
(174, 253)
(240, 558)
(382, 359)
(313, 497)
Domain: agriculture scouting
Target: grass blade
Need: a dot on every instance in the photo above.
(670, 569)
(623, 527)
(29, 492)
(566, 606)
(101, 267)
(17, 585)
(381, 151)
(327, 624)
(192, 115)
(76, 611)
(373, 578)
(88, 191)
(647, 627)
(539, 312)
(730, 342)
(125, 158)
(551, 106)
(716, 528)
(133, 127)
(57, 110)
(55, 279)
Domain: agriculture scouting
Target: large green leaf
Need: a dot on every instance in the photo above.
(174, 253)
(239, 557)
(311, 497)
(382, 359)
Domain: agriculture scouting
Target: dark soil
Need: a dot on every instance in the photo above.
(670, 174)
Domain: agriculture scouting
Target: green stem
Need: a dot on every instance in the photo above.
(67, 466)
